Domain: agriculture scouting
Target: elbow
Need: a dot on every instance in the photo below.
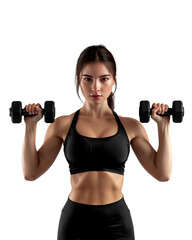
(29, 178)
(164, 179)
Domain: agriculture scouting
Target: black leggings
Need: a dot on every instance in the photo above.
(111, 221)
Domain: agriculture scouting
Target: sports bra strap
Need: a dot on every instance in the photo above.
(73, 124)
(121, 127)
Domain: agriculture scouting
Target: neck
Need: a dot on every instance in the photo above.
(96, 110)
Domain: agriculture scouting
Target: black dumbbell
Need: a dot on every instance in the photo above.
(16, 112)
(177, 111)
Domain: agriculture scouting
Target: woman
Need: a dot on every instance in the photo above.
(96, 145)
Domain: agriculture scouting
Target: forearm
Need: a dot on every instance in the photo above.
(29, 152)
(163, 159)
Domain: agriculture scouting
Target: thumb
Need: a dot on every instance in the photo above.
(38, 109)
(154, 112)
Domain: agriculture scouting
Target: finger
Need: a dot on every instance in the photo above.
(38, 104)
(29, 108)
(166, 107)
(26, 108)
(159, 107)
(155, 109)
(154, 105)
(33, 108)
(38, 108)
(162, 108)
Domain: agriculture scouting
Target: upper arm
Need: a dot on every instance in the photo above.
(143, 149)
(50, 148)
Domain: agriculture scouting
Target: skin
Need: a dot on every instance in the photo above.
(97, 120)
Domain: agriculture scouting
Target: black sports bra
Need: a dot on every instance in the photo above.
(96, 154)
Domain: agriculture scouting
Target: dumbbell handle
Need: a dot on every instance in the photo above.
(168, 113)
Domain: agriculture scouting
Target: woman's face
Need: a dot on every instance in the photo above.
(96, 82)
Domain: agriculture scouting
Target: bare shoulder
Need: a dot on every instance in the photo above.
(62, 125)
(133, 127)
(64, 120)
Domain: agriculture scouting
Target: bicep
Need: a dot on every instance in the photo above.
(143, 149)
(50, 149)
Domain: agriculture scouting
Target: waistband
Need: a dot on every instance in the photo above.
(118, 202)
(110, 210)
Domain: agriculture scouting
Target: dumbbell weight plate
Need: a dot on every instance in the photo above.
(178, 111)
(49, 111)
(144, 111)
(15, 112)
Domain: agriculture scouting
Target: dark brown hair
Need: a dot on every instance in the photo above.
(97, 53)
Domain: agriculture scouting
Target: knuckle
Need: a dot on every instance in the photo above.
(154, 105)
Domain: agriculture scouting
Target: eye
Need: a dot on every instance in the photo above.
(87, 79)
(104, 79)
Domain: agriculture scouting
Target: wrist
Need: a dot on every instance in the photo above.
(31, 125)
(163, 128)
(163, 124)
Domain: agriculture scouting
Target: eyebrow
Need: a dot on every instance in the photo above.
(105, 75)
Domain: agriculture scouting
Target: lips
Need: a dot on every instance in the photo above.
(95, 95)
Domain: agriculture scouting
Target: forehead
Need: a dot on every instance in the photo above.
(95, 68)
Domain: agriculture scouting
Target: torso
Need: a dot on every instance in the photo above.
(96, 187)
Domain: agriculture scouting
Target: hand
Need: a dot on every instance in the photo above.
(160, 109)
(33, 109)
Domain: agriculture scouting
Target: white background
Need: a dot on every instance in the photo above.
(40, 42)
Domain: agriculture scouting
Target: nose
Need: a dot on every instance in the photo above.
(96, 86)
